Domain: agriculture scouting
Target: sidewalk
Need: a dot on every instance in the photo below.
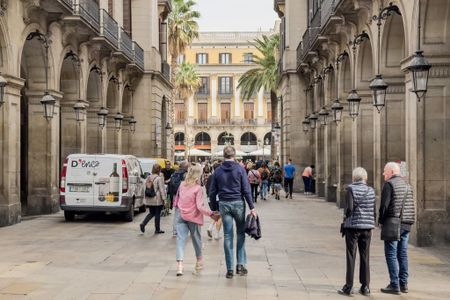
(300, 256)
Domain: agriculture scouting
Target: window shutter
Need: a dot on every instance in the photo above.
(230, 61)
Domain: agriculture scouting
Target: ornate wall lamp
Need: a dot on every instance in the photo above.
(131, 120)
(118, 118)
(337, 107)
(306, 122)
(378, 86)
(3, 84)
(79, 107)
(102, 114)
(353, 98)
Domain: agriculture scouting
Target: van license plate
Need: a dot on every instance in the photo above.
(79, 188)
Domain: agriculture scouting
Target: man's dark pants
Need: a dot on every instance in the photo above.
(396, 253)
(288, 185)
(358, 238)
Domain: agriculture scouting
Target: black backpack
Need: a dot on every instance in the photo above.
(150, 192)
(264, 175)
(175, 181)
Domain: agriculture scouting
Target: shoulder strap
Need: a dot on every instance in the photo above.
(403, 202)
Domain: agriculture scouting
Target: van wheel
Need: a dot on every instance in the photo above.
(69, 216)
(129, 215)
(142, 209)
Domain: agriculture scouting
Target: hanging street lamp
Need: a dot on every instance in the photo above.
(118, 118)
(313, 120)
(323, 115)
(3, 84)
(132, 122)
(305, 124)
(48, 102)
(102, 114)
(337, 109)
(354, 101)
(80, 111)
(378, 87)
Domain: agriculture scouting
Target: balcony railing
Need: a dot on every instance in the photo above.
(138, 55)
(226, 122)
(165, 70)
(109, 28)
(180, 121)
(89, 11)
(125, 44)
(328, 8)
(68, 3)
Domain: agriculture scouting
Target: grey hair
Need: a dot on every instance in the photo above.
(394, 167)
(359, 174)
(184, 165)
(229, 152)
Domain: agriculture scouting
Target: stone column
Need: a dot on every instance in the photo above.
(260, 115)
(214, 98)
(10, 208)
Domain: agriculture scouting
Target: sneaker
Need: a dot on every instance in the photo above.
(198, 266)
(142, 227)
(241, 270)
(404, 288)
(209, 232)
(287, 195)
(290, 197)
(364, 290)
(180, 270)
(229, 274)
(390, 290)
(159, 231)
(346, 291)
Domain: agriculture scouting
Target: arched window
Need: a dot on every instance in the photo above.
(248, 138)
(225, 138)
(202, 138)
(268, 138)
(179, 138)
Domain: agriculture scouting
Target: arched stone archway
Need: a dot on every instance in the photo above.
(94, 98)
(39, 139)
(112, 103)
(203, 141)
(221, 140)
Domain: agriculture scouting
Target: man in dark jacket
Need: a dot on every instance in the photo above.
(230, 183)
(395, 191)
(174, 183)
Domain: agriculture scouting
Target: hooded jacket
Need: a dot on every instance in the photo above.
(230, 183)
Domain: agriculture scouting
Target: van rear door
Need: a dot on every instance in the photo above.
(80, 181)
(108, 182)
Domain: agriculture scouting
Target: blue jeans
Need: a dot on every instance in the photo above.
(233, 210)
(183, 229)
(396, 253)
(264, 187)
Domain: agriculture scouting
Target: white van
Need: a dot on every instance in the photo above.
(101, 182)
(147, 164)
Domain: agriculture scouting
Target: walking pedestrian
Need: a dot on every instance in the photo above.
(265, 174)
(254, 178)
(175, 181)
(155, 204)
(289, 175)
(397, 214)
(307, 180)
(190, 203)
(359, 220)
(232, 186)
(215, 225)
(277, 180)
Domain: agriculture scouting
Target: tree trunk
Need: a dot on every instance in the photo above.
(274, 106)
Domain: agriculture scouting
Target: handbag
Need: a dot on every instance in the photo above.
(150, 191)
(390, 230)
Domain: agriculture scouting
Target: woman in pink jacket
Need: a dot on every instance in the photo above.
(190, 203)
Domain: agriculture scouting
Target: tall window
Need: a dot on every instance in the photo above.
(202, 58)
(225, 58)
(180, 111)
(202, 113)
(249, 111)
(204, 86)
(225, 85)
(269, 111)
(225, 113)
(248, 58)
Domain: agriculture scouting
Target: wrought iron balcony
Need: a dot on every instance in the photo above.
(126, 44)
(328, 8)
(109, 28)
(299, 54)
(68, 3)
(165, 70)
(89, 11)
(138, 55)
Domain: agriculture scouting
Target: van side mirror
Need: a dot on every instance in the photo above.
(145, 175)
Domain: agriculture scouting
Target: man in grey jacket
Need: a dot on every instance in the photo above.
(394, 191)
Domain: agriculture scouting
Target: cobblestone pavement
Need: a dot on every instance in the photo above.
(301, 256)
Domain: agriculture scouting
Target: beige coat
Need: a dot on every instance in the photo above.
(160, 189)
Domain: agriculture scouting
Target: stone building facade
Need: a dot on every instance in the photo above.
(320, 65)
(101, 53)
(218, 108)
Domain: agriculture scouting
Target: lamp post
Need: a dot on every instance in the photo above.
(313, 120)
(419, 67)
(323, 115)
(118, 118)
(48, 102)
(378, 86)
(132, 122)
(337, 109)
(3, 84)
(102, 114)
(353, 98)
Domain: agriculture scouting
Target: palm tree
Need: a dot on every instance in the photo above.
(265, 75)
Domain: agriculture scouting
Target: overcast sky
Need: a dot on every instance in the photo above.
(236, 15)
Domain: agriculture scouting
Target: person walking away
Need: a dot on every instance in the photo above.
(190, 203)
(156, 203)
(254, 178)
(215, 226)
(175, 181)
(359, 220)
(277, 180)
(273, 168)
(265, 174)
(230, 183)
(397, 204)
(307, 179)
(289, 175)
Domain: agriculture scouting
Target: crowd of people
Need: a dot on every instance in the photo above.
(230, 186)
